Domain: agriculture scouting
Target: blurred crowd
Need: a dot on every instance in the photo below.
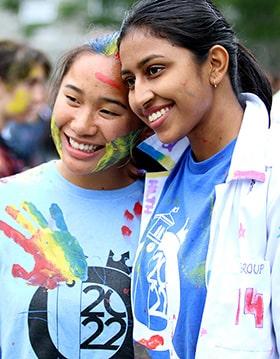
(25, 114)
(25, 139)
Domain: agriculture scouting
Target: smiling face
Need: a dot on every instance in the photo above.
(168, 90)
(93, 119)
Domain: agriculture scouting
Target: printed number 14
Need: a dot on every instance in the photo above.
(253, 304)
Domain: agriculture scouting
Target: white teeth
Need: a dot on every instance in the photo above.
(82, 146)
(156, 115)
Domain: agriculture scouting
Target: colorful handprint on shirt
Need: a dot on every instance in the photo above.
(57, 254)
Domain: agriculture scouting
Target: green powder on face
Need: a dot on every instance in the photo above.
(117, 150)
(56, 136)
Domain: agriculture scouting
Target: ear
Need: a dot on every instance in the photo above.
(219, 61)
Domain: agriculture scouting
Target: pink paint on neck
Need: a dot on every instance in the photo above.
(103, 78)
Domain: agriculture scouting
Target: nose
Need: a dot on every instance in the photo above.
(142, 95)
(84, 123)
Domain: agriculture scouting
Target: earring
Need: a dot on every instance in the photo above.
(214, 84)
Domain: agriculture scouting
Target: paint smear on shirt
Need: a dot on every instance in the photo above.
(137, 209)
(153, 342)
(57, 254)
(197, 275)
(129, 217)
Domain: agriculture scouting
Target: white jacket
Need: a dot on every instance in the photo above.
(242, 308)
(275, 109)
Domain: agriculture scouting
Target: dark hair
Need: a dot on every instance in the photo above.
(104, 45)
(197, 25)
(17, 60)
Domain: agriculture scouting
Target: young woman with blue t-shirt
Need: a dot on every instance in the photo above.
(69, 228)
(206, 280)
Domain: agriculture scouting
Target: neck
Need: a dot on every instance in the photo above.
(109, 179)
(221, 126)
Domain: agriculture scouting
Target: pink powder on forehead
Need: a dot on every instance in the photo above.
(103, 78)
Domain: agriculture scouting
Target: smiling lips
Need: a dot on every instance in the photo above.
(156, 115)
(84, 146)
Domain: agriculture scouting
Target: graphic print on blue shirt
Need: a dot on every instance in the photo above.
(65, 274)
(168, 278)
(98, 298)
(105, 323)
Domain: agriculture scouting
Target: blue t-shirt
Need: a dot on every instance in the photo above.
(65, 260)
(169, 276)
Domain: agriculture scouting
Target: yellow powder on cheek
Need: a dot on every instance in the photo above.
(19, 102)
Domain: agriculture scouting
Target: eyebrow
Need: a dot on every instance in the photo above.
(105, 99)
(143, 62)
(72, 87)
(116, 102)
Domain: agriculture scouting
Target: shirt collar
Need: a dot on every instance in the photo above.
(248, 159)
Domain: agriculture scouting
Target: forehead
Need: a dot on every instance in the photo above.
(146, 43)
(92, 71)
(96, 75)
(36, 75)
(151, 48)
(88, 64)
(37, 72)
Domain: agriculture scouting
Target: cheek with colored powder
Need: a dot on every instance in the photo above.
(19, 103)
(56, 136)
(117, 150)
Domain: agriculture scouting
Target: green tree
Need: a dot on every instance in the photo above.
(256, 19)
(12, 5)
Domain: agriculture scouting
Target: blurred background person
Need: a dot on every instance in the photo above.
(24, 113)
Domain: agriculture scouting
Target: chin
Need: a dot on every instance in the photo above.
(166, 139)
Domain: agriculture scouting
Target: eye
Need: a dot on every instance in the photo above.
(129, 82)
(72, 99)
(154, 70)
(109, 113)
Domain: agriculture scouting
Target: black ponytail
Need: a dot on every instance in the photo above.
(251, 77)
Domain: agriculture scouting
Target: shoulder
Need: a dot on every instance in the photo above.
(9, 163)
(273, 166)
(273, 145)
(27, 178)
